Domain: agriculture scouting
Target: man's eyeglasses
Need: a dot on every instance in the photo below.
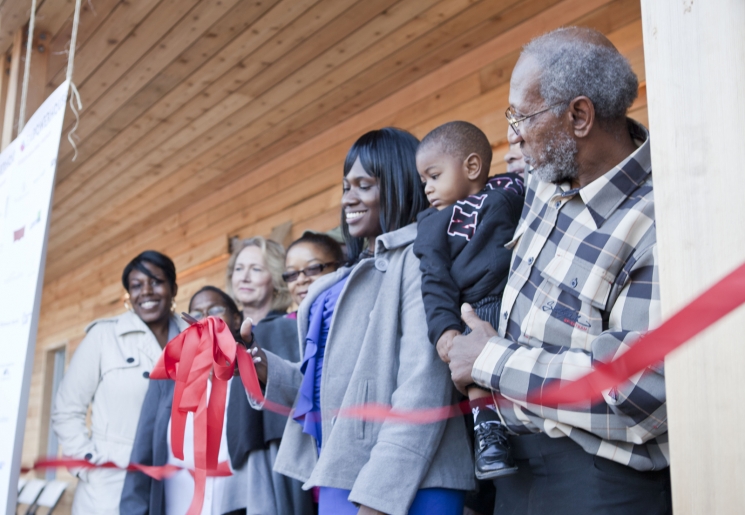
(291, 277)
(513, 118)
(214, 311)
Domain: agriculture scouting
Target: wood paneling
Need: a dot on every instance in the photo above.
(13, 93)
(37, 72)
(696, 63)
(208, 119)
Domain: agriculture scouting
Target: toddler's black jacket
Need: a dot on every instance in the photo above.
(461, 250)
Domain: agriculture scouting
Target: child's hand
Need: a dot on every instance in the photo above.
(445, 343)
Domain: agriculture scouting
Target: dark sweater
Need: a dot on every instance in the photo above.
(249, 429)
(461, 250)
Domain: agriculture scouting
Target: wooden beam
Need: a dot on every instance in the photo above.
(695, 74)
(37, 72)
(4, 82)
(137, 111)
(14, 14)
(11, 99)
(115, 35)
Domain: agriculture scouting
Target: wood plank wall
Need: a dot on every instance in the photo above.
(198, 127)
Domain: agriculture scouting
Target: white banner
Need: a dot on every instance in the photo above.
(27, 169)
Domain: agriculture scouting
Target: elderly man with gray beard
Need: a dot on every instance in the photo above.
(583, 287)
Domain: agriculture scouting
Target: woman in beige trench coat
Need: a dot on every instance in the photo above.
(110, 373)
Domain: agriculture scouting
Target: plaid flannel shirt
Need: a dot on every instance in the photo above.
(583, 286)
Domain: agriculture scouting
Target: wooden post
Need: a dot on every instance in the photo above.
(4, 81)
(38, 73)
(695, 65)
(11, 99)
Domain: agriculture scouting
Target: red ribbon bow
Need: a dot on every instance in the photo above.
(205, 349)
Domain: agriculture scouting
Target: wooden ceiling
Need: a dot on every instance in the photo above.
(205, 119)
(184, 97)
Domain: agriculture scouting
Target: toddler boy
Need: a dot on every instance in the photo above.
(460, 243)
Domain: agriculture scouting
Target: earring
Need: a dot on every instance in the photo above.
(127, 304)
(173, 305)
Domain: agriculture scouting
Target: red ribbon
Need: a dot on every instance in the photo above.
(209, 345)
(158, 472)
(712, 305)
(204, 349)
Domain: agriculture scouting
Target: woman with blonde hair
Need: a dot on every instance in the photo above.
(254, 280)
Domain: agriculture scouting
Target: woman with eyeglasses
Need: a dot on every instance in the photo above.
(255, 281)
(109, 374)
(311, 256)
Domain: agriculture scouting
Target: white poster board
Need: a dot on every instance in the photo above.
(27, 169)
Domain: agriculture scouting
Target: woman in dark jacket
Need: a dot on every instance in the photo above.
(254, 278)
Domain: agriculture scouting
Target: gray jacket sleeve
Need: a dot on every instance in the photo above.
(282, 382)
(76, 393)
(401, 457)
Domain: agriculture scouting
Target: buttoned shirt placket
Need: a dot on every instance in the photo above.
(544, 335)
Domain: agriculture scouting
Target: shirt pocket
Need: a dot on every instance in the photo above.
(571, 303)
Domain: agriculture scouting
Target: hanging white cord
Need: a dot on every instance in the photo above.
(27, 67)
(74, 95)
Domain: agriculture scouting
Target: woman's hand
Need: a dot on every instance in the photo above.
(259, 362)
(258, 355)
(364, 510)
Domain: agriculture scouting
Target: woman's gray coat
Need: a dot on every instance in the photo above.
(377, 352)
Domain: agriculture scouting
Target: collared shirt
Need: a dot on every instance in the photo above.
(583, 287)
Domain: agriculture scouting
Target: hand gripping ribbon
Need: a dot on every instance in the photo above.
(205, 349)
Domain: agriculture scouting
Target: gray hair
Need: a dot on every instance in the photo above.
(575, 62)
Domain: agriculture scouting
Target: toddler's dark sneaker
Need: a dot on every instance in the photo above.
(493, 451)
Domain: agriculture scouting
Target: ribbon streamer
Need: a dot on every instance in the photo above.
(204, 350)
(712, 305)
(157, 472)
(213, 340)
